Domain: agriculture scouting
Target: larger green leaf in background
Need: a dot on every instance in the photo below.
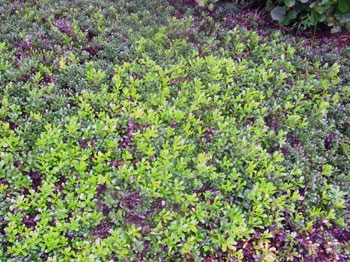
(289, 3)
(278, 13)
(343, 6)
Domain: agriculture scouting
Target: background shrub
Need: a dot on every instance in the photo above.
(310, 13)
(302, 14)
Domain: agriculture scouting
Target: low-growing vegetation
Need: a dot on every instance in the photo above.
(127, 134)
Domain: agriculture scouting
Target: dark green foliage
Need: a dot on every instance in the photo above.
(229, 9)
(310, 13)
(127, 134)
(301, 14)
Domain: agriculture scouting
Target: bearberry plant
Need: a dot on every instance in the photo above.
(129, 135)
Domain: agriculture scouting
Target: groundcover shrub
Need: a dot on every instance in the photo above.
(174, 144)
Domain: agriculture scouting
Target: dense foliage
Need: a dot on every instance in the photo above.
(127, 134)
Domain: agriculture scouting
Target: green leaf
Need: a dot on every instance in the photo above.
(292, 15)
(343, 6)
(289, 3)
(278, 13)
